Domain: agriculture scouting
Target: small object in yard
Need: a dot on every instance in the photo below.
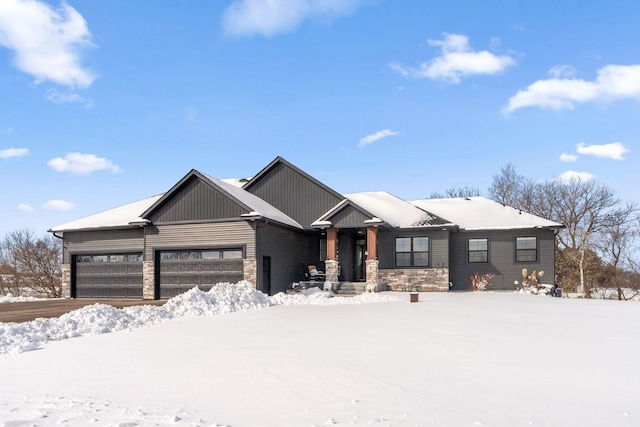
(327, 286)
(370, 287)
(414, 296)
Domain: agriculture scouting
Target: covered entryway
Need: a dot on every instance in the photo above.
(107, 276)
(181, 270)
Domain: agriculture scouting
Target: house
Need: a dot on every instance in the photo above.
(269, 228)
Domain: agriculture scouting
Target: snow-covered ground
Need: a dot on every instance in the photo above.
(453, 359)
(10, 298)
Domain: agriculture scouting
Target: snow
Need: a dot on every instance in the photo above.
(117, 217)
(391, 209)
(10, 298)
(480, 213)
(454, 359)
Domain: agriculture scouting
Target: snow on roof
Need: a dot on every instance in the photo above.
(121, 216)
(393, 210)
(257, 205)
(238, 182)
(480, 213)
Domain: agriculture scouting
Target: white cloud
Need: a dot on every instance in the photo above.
(615, 150)
(47, 42)
(457, 60)
(6, 131)
(369, 139)
(613, 83)
(79, 163)
(271, 17)
(562, 71)
(13, 152)
(65, 98)
(22, 207)
(568, 157)
(58, 205)
(570, 176)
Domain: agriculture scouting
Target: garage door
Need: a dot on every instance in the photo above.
(108, 276)
(185, 269)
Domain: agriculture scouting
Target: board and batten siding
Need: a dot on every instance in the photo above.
(438, 246)
(290, 251)
(294, 194)
(230, 234)
(196, 201)
(349, 218)
(102, 242)
(502, 258)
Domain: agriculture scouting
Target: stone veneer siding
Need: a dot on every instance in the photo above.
(251, 271)
(372, 272)
(332, 270)
(66, 281)
(148, 280)
(424, 280)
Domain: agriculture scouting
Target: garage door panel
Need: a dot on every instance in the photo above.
(113, 278)
(179, 274)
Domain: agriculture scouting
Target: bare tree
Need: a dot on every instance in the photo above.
(466, 191)
(35, 263)
(617, 243)
(508, 187)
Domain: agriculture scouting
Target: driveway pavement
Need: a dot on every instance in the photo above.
(25, 311)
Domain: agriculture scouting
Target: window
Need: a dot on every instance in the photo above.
(323, 249)
(207, 254)
(412, 251)
(110, 258)
(526, 249)
(478, 250)
(232, 254)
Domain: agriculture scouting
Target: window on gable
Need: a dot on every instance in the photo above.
(526, 249)
(478, 250)
(412, 251)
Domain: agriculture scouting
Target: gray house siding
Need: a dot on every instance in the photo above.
(438, 241)
(290, 252)
(349, 217)
(101, 242)
(294, 194)
(201, 236)
(196, 201)
(502, 258)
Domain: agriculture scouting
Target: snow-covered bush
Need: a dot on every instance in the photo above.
(481, 282)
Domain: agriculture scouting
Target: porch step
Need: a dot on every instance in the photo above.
(349, 288)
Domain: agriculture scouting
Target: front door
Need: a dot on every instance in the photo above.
(358, 260)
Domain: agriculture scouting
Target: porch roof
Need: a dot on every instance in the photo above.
(383, 208)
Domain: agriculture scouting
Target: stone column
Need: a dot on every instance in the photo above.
(66, 281)
(251, 271)
(332, 270)
(372, 273)
(148, 280)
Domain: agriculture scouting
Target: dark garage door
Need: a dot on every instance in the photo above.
(184, 269)
(108, 276)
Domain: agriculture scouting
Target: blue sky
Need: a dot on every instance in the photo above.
(105, 103)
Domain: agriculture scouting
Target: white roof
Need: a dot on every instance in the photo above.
(257, 205)
(117, 217)
(391, 209)
(480, 213)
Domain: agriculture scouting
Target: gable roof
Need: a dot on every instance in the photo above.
(121, 217)
(256, 204)
(253, 205)
(385, 209)
(480, 213)
(280, 161)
